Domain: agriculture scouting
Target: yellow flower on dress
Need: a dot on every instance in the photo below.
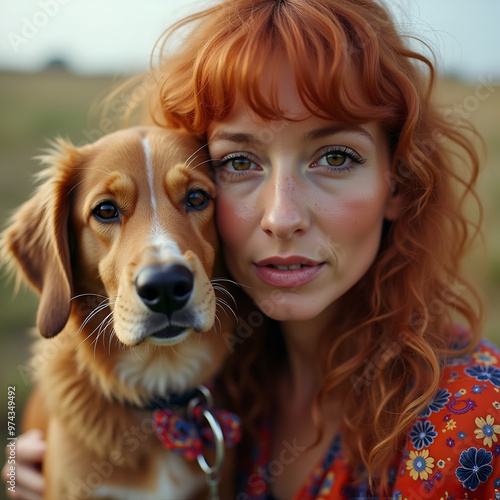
(496, 405)
(451, 424)
(420, 464)
(484, 358)
(487, 430)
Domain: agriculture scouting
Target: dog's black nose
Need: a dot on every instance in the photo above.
(165, 288)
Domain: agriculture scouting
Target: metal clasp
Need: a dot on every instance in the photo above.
(212, 475)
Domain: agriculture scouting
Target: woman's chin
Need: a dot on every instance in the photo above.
(296, 311)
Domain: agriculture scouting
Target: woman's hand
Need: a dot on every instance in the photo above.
(29, 482)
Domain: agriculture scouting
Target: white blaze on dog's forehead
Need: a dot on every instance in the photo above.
(163, 246)
(161, 242)
(149, 171)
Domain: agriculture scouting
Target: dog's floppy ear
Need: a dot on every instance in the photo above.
(36, 241)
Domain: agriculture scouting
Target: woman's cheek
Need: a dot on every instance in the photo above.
(229, 221)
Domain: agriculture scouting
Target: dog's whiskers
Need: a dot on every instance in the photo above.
(226, 292)
(224, 304)
(96, 311)
(220, 287)
(86, 338)
(112, 335)
(226, 308)
(102, 305)
(227, 280)
(106, 302)
(192, 167)
(193, 155)
(79, 296)
(217, 322)
(96, 329)
(103, 325)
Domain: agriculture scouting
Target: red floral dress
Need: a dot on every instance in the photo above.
(451, 451)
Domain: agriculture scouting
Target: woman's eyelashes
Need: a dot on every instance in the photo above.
(338, 159)
(334, 158)
(236, 162)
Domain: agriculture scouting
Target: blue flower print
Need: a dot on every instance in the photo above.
(475, 468)
(485, 373)
(422, 434)
(438, 403)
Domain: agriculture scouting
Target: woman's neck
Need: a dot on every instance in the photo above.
(301, 339)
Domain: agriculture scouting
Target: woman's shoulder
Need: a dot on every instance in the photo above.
(452, 448)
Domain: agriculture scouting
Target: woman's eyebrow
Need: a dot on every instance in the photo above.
(237, 137)
(322, 132)
(319, 133)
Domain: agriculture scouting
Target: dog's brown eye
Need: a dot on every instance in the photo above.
(197, 199)
(106, 211)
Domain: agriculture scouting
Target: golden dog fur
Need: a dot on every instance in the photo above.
(103, 212)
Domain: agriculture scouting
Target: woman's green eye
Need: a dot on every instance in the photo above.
(241, 164)
(335, 159)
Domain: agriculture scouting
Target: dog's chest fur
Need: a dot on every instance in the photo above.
(174, 479)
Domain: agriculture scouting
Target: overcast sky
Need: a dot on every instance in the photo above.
(117, 36)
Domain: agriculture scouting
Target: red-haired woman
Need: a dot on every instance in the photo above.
(340, 200)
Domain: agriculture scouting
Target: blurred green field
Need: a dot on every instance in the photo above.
(36, 107)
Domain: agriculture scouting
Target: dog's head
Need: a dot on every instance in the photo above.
(121, 233)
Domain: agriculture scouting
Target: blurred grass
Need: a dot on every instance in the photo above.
(482, 267)
(37, 107)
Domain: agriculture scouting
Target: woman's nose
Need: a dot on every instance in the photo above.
(285, 208)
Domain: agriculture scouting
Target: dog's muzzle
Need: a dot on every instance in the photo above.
(165, 289)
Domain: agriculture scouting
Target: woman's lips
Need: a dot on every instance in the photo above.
(287, 272)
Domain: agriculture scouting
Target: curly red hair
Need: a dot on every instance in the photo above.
(383, 360)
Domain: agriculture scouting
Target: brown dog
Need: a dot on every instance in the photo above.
(120, 243)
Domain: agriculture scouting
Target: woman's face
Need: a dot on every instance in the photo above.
(299, 206)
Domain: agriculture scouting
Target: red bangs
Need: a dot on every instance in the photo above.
(335, 56)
